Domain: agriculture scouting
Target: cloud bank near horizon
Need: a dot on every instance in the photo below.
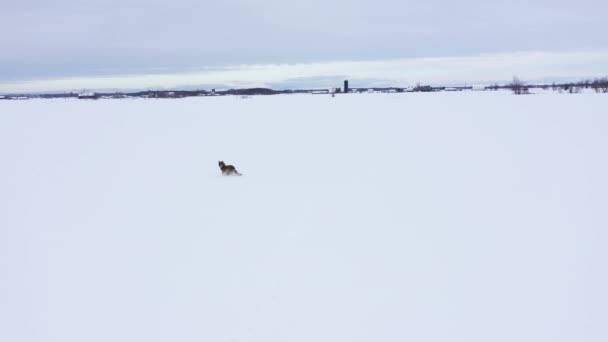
(393, 72)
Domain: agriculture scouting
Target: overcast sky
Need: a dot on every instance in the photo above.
(152, 43)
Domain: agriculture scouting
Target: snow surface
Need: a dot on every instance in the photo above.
(470, 216)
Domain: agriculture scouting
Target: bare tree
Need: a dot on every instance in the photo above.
(600, 85)
(518, 86)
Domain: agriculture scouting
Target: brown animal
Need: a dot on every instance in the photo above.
(228, 170)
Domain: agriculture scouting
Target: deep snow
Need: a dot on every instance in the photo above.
(367, 217)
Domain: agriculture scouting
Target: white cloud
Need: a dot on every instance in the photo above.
(401, 72)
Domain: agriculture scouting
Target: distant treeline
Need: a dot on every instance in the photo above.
(159, 94)
(599, 85)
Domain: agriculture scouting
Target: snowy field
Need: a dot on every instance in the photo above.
(360, 218)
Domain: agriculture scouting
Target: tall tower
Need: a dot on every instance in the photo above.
(346, 86)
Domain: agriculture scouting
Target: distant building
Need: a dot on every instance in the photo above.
(91, 96)
(213, 93)
(346, 86)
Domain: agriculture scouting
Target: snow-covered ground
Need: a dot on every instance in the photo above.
(472, 216)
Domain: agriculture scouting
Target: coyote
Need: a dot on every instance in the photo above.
(228, 170)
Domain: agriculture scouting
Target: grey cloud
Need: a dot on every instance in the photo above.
(44, 39)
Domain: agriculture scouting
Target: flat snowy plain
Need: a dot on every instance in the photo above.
(473, 216)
